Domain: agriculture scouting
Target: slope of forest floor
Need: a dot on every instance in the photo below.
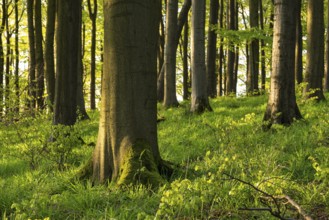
(228, 167)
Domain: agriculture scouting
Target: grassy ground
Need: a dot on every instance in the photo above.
(228, 168)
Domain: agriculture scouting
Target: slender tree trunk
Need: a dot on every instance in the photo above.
(252, 79)
(231, 51)
(199, 102)
(186, 93)
(212, 50)
(93, 16)
(49, 52)
(282, 107)
(39, 55)
(2, 60)
(315, 50)
(67, 61)
(221, 51)
(326, 80)
(17, 98)
(127, 150)
(32, 62)
(180, 24)
(170, 99)
(299, 44)
(8, 64)
(262, 46)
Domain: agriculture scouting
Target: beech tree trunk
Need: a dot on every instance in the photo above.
(230, 87)
(49, 52)
(68, 43)
(221, 52)
(39, 66)
(212, 50)
(282, 107)
(2, 60)
(315, 50)
(127, 149)
(326, 80)
(299, 44)
(93, 16)
(32, 62)
(17, 98)
(199, 102)
(170, 99)
(263, 47)
(253, 73)
(186, 82)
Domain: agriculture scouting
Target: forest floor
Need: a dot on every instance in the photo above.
(228, 167)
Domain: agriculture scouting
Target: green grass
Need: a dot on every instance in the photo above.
(209, 149)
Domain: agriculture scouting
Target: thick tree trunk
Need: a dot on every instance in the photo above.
(127, 149)
(68, 43)
(212, 50)
(263, 47)
(299, 44)
(199, 102)
(39, 68)
(282, 107)
(315, 50)
(252, 78)
(49, 52)
(170, 99)
(93, 16)
(32, 62)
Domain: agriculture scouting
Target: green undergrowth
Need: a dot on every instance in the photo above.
(228, 167)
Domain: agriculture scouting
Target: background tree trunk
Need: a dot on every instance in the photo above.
(67, 61)
(299, 44)
(263, 47)
(17, 98)
(315, 50)
(186, 83)
(252, 78)
(221, 51)
(39, 65)
(230, 87)
(170, 99)
(2, 60)
(212, 50)
(282, 107)
(93, 16)
(49, 52)
(127, 148)
(199, 102)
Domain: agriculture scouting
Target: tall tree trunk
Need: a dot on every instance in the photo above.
(2, 60)
(170, 99)
(49, 52)
(32, 62)
(326, 80)
(17, 98)
(93, 16)
(221, 51)
(127, 149)
(8, 64)
(230, 87)
(186, 83)
(299, 44)
(252, 78)
(212, 50)
(282, 107)
(67, 61)
(199, 102)
(39, 55)
(263, 46)
(315, 50)
(183, 15)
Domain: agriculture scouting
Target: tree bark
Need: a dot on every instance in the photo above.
(93, 16)
(32, 62)
(17, 98)
(282, 107)
(252, 78)
(127, 150)
(299, 45)
(230, 87)
(186, 83)
(212, 50)
(199, 102)
(49, 52)
(263, 46)
(170, 99)
(2, 60)
(315, 50)
(221, 51)
(39, 66)
(67, 61)
(326, 80)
